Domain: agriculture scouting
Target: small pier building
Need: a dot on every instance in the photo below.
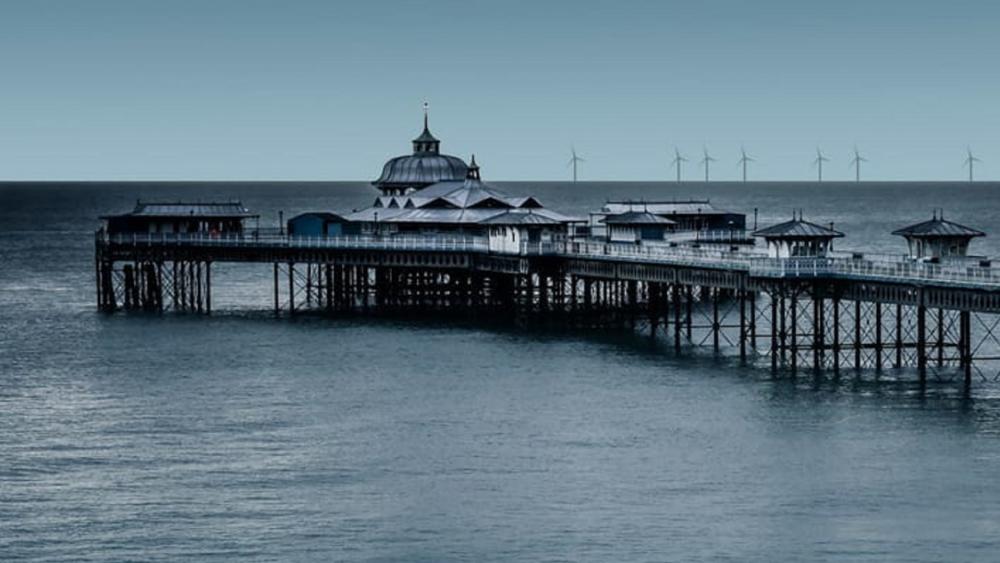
(180, 218)
(798, 238)
(700, 220)
(637, 227)
(518, 230)
(317, 224)
(938, 239)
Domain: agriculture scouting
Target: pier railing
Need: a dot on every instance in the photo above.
(658, 253)
(898, 271)
(893, 269)
(272, 240)
(736, 236)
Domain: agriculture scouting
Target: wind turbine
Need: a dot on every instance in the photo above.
(706, 161)
(573, 161)
(744, 159)
(970, 161)
(676, 163)
(820, 159)
(856, 163)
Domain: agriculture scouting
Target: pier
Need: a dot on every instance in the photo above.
(828, 313)
(441, 240)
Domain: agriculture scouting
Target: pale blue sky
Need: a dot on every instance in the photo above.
(248, 89)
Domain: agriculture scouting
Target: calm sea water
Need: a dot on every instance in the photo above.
(242, 437)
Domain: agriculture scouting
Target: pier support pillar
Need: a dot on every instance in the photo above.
(965, 346)
(795, 334)
(688, 305)
(857, 335)
(208, 288)
(899, 337)
(774, 330)
(878, 337)
(922, 341)
(107, 299)
(819, 330)
(291, 289)
(939, 341)
(277, 302)
(676, 298)
(715, 318)
(743, 324)
(836, 335)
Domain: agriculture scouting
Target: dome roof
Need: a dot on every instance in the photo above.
(421, 169)
(424, 167)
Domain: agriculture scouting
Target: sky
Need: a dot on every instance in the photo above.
(328, 90)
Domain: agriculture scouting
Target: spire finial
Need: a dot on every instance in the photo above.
(427, 107)
(473, 173)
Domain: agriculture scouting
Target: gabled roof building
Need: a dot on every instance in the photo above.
(938, 238)
(180, 217)
(798, 238)
(689, 215)
(636, 226)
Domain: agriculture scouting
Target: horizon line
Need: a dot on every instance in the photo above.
(594, 181)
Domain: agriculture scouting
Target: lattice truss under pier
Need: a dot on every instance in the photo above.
(715, 318)
(985, 345)
(798, 331)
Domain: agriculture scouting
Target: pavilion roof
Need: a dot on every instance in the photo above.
(797, 229)
(938, 227)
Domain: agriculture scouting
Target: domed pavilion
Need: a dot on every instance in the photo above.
(408, 173)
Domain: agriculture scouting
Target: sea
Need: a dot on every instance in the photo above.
(244, 437)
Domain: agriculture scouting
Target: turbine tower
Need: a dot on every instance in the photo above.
(573, 161)
(970, 161)
(706, 161)
(744, 159)
(676, 163)
(820, 159)
(856, 163)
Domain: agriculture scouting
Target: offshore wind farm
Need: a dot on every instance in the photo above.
(855, 161)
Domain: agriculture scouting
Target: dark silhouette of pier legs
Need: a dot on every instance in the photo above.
(799, 322)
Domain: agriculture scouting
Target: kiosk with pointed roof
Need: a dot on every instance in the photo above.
(513, 229)
(938, 238)
(798, 238)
